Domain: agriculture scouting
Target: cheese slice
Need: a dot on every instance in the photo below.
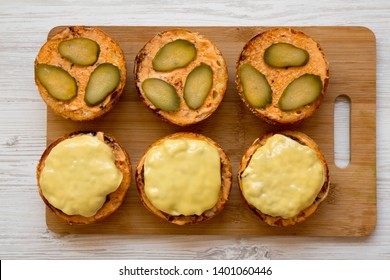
(79, 173)
(182, 176)
(283, 177)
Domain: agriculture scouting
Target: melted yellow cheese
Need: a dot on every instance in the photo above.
(183, 176)
(283, 177)
(79, 173)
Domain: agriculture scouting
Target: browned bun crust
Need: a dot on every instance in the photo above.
(280, 78)
(207, 53)
(110, 52)
(304, 214)
(226, 182)
(114, 199)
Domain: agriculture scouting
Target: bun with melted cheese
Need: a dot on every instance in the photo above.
(277, 171)
(182, 219)
(113, 200)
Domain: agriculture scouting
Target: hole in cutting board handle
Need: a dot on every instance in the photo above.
(342, 131)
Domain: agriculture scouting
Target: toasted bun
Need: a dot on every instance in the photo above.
(226, 182)
(76, 109)
(304, 140)
(113, 200)
(207, 53)
(280, 78)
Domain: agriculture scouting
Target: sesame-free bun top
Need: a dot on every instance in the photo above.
(109, 52)
(207, 54)
(279, 78)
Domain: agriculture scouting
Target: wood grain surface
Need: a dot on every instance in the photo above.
(349, 210)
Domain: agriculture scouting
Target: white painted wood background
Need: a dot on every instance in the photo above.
(24, 26)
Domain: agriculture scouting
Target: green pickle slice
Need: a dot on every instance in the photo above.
(102, 82)
(80, 51)
(282, 55)
(300, 92)
(257, 90)
(174, 55)
(198, 85)
(58, 82)
(162, 94)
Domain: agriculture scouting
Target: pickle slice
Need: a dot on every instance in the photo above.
(255, 86)
(300, 92)
(198, 85)
(176, 54)
(103, 81)
(285, 55)
(58, 83)
(80, 51)
(161, 94)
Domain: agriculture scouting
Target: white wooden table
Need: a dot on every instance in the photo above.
(24, 26)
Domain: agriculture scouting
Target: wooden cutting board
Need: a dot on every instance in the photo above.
(349, 210)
